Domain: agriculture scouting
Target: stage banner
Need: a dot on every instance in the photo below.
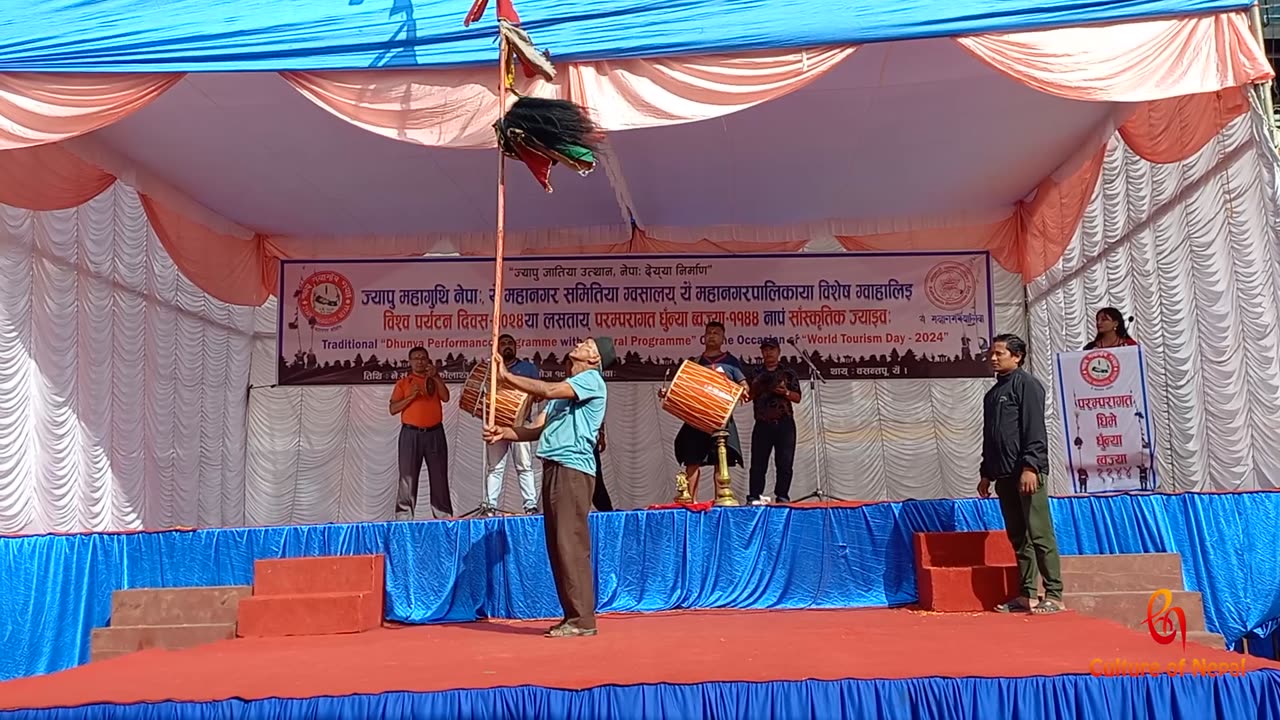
(855, 315)
(1103, 402)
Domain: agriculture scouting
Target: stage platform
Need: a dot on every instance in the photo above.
(722, 664)
(58, 588)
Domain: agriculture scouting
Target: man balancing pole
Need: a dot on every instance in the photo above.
(567, 432)
(1015, 456)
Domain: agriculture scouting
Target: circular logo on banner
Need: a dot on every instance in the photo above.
(950, 285)
(1100, 368)
(326, 298)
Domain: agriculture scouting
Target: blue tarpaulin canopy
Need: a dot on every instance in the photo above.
(264, 35)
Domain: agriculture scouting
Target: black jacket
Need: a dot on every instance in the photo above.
(1013, 432)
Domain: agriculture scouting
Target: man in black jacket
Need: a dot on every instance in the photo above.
(1015, 456)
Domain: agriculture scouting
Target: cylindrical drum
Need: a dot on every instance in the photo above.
(511, 405)
(702, 397)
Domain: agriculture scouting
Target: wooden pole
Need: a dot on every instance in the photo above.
(501, 238)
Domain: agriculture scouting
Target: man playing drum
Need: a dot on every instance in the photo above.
(695, 448)
(567, 432)
(496, 454)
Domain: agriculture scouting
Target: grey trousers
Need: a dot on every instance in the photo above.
(419, 445)
(566, 502)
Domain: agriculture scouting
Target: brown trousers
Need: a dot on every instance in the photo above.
(566, 502)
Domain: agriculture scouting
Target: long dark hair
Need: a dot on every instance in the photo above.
(1122, 327)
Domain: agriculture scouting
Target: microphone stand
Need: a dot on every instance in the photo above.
(815, 416)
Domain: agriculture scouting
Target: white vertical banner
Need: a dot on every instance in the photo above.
(1103, 400)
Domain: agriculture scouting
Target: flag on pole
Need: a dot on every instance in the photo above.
(539, 132)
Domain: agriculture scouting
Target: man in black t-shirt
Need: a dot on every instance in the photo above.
(774, 392)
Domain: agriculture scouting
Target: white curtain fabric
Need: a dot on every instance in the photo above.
(122, 386)
(1190, 251)
(123, 397)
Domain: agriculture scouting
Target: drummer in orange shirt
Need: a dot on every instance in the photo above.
(419, 398)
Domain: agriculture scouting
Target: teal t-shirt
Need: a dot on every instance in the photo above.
(571, 427)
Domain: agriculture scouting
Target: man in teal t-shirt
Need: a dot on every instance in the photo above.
(566, 433)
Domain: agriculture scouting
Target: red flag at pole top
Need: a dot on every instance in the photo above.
(506, 11)
(539, 132)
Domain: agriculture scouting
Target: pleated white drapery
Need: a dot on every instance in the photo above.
(1190, 250)
(122, 385)
(123, 388)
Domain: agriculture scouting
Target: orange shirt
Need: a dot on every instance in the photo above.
(426, 411)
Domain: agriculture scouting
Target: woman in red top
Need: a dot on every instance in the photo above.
(1112, 331)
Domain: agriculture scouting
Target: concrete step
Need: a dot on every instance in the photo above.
(120, 640)
(333, 574)
(1203, 637)
(97, 655)
(962, 549)
(1130, 608)
(972, 571)
(1118, 573)
(310, 614)
(177, 606)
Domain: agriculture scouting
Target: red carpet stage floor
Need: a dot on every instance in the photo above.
(677, 647)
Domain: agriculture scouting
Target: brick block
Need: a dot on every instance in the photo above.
(333, 574)
(962, 549)
(1130, 608)
(310, 614)
(110, 641)
(177, 606)
(965, 589)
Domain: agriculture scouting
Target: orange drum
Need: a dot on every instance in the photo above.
(512, 405)
(702, 397)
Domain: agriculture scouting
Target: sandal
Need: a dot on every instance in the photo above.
(567, 630)
(1016, 605)
(1048, 606)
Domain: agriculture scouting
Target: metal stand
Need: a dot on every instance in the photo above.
(724, 496)
(815, 417)
(724, 491)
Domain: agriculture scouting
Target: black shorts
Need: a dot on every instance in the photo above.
(694, 447)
